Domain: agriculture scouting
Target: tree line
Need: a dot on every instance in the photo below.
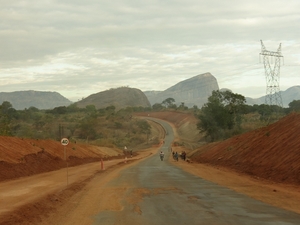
(221, 117)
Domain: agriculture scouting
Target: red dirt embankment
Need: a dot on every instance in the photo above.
(24, 157)
(271, 152)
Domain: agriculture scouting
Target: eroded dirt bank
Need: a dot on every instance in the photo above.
(271, 153)
(25, 157)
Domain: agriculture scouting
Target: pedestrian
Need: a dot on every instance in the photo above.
(176, 156)
(183, 155)
(162, 155)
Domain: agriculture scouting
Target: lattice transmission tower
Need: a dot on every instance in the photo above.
(272, 72)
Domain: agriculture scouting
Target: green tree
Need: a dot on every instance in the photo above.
(60, 110)
(221, 113)
(265, 111)
(182, 106)
(5, 107)
(91, 108)
(5, 129)
(110, 111)
(6, 112)
(73, 108)
(294, 105)
(157, 106)
(144, 126)
(87, 129)
(168, 102)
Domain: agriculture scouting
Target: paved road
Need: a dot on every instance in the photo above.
(161, 193)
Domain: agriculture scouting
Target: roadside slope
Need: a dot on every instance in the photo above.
(24, 157)
(271, 153)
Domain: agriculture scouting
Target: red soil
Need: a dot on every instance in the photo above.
(24, 157)
(271, 152)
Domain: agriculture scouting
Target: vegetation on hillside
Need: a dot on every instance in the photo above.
(104, 127)
(225, 114)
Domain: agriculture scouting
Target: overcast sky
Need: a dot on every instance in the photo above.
(78, 48)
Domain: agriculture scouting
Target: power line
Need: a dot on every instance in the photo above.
(272, 73)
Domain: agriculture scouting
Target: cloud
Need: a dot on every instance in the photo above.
(79, 48)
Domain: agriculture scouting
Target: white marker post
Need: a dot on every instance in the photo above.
(65, 142)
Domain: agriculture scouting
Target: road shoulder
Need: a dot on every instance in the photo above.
(279, 195)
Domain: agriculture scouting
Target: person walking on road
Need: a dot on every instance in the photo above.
(183, 155)
(161, 155)
(176, 156)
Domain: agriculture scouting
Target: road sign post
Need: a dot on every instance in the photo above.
(65, 142)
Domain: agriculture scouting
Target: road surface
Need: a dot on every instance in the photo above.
(163, 194)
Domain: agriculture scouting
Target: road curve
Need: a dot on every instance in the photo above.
(157, 192)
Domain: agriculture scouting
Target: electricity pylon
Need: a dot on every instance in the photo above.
(272, 72)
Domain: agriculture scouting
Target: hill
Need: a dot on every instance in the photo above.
(120, 98)
(289, 95)
(192, 91)
(196, 90)
(39, 99)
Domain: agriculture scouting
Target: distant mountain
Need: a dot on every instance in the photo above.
(289, 95)
(193, 91)
(151, 94)
(120, 98)
(39, 99)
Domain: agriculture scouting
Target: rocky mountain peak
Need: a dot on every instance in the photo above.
(192, 91)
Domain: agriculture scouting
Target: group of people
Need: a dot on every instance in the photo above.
(175, 155)
(183, 155)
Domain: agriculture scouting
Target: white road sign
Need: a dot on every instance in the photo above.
(64, 141)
